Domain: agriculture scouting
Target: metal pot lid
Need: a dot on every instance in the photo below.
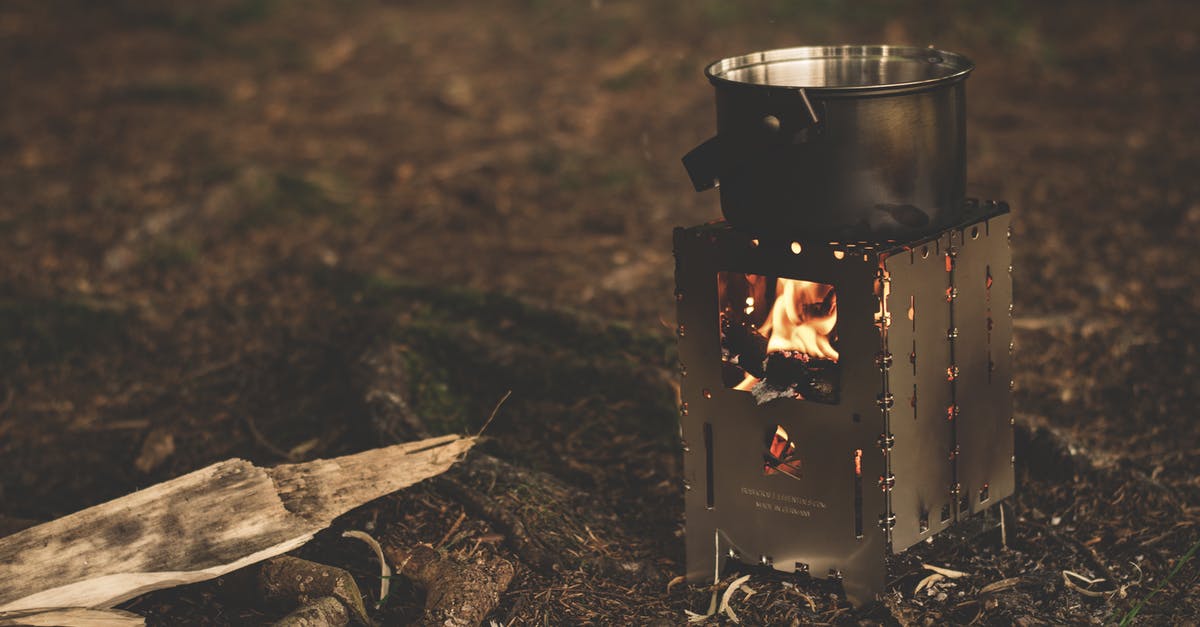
(841, 70)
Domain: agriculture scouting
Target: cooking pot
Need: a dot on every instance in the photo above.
(839, 142)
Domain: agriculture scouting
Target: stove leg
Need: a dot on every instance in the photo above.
(707, 555)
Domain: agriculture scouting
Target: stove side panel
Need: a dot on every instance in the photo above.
(922, 458)
(983, 351)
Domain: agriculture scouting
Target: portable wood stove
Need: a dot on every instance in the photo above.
(842, 400)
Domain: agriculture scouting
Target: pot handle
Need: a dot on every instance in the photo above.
(707, 162)
(703, 164)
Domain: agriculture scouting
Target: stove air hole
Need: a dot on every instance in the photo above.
(924, 252)
(796, 248)
(754, 243)
(945, 513)
(913, 401)
(923, 522)
(858, 498)
(983, 493)
(912, 310)
(801, 568)
(974, 232)
(837, 254)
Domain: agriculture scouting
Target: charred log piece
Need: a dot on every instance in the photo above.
(792, 374)
(460, 591)
(743, 346)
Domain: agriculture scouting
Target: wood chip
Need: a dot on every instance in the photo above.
(997, 586)
(928, 581)
(946, 572)
(728, 596)
(385, 571)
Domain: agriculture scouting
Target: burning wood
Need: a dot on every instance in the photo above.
(792, 374)
(781, 343)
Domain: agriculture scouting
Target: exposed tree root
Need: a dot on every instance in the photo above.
(460, 592)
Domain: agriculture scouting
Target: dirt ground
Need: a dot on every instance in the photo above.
(209, 210)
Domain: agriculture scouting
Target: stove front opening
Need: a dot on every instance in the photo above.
(778, 337)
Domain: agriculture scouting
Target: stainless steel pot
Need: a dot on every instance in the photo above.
(839, 142)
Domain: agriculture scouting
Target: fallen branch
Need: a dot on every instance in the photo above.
(201, 525)
(458, 592)
(73, 616)
(300, 581)
(320, 612)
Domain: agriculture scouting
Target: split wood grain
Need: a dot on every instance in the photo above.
(202, 525)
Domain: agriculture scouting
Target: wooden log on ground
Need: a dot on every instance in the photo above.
(304, 581)
(201, 525)
(73, 616)
(459, 592)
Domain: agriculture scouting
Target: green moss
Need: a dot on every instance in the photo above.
(169, 254)
(284, 197)
(35, 331)
(168, 93)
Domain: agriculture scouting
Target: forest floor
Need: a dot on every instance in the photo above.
(210, 211)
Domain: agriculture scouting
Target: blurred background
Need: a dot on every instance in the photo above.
(195, 197)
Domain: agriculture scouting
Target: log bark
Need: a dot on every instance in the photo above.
(300, 581)
(320, 612)
(459, 592)
(201, 525)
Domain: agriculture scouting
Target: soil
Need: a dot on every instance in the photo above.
(211, 211)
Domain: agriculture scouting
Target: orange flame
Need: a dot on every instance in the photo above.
(802, 319)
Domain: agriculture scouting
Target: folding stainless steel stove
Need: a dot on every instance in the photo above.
(842, 400)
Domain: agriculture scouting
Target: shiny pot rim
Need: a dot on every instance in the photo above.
(845, 70)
